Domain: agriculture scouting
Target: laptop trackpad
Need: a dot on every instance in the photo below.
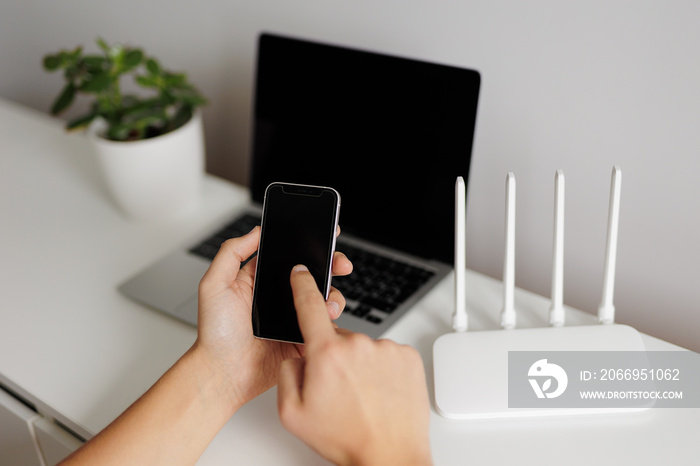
(170, 285)
(187, 311)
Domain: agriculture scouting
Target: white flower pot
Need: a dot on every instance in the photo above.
(157, 177)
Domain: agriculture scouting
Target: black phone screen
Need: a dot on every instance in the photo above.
(298, 227)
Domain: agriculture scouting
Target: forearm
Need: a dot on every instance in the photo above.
(172, 423)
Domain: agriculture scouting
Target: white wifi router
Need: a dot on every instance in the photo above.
(471, 368)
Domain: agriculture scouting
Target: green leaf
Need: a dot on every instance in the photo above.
(51, 62)
(66, 59)
(139, 105)
(151, 126)
(105, 107)
(146, 81)
(103, 45)
(189, 95)
(177, 80)
(72, 72)
(81, 122)
(132, 59)
(193, 99)
(144, 115)
(75, 54)
(116, 53)
(64, 99)
(119, 132)
(98, 83)
(94, 63)
(152, 120)
(166, 98)
(152, 66)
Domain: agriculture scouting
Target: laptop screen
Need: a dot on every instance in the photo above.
(389, 134)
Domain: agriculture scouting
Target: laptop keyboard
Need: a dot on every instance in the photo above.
(377, 282)
(239, 227)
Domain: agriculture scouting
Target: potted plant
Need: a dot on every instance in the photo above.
(151, 147)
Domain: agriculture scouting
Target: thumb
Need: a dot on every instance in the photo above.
(289, 386)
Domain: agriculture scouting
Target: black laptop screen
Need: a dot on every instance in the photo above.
(390, 134)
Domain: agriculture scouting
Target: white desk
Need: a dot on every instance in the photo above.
(81, 352)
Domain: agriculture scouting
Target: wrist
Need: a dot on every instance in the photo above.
(415, 459)
(414, 453)
(213, 383)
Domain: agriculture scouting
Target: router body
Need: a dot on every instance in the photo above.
(471, 368)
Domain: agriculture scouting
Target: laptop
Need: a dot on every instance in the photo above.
(390, 134)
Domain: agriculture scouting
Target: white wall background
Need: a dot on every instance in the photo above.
(573, 85)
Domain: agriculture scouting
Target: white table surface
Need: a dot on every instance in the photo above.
(72, 345)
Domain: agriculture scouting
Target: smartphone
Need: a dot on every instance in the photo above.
(299, 225)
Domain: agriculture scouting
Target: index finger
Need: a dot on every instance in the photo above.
(314, 323)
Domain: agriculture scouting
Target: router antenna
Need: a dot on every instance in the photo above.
(556, 311)
(606, 311)
(459, 319)
(508, 312)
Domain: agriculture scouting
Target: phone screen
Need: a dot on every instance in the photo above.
(298, 227)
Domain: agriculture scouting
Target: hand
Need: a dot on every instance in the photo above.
(353, 400)
(175, 420)
(249, 366)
